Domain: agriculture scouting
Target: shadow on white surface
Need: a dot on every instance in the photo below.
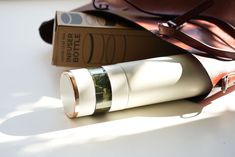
(26, 70)
(29, 128)
(49, 120)
(179, 140)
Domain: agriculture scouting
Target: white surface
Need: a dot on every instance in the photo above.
(32, 122)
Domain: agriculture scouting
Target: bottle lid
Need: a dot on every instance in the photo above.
(77, 93)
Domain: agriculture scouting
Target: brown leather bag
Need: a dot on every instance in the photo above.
(209, 34)
(205, 33)
(205, 28)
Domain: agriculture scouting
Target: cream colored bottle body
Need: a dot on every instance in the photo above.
(133, 84)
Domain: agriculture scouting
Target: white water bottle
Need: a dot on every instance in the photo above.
(120, 86)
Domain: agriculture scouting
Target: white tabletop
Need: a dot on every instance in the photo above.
(32, 122)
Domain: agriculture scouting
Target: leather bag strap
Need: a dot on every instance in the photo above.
(172, 29)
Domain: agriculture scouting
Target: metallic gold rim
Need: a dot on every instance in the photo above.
(76, 93)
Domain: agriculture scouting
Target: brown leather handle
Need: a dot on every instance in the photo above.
(171, 29)
(165, 29)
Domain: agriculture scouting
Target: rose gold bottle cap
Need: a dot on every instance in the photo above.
(77, 93)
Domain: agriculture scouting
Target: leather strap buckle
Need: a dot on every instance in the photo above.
(165, 29)
(172, 24)
(168, 28)
(100, 5)
(227, 81)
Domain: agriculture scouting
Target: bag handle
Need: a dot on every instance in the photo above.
(171, 28)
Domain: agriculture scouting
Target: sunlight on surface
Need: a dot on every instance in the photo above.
(222, 103)
(7, 138)
(111, 130)
(32, 120)
(43, 103)
(94, 130)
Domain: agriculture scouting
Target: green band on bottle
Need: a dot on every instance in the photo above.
(103, 90)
